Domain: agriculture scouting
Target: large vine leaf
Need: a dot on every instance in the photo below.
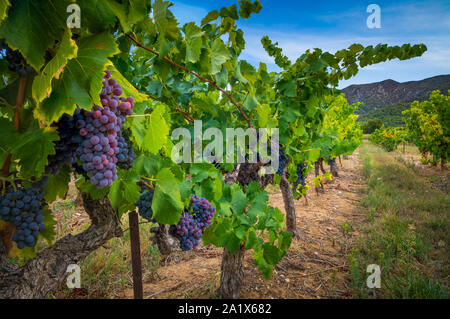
(124, 192)
(193, 42)
(42, 84)
(33, 27)
(48, 233)
(157, 130)
(32, 148)
(57, 185)
(4, 4)
(81, 80)
(167, 204)
(220, 55)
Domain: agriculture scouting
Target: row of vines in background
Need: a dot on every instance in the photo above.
(97, 105)
(427, 126)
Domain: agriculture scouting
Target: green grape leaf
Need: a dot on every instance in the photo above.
(193, 42)
(271, 254)
(96, 15)
(39, 23)
(4, 5)
(48, 233)
(165, 21)
(233, 243)
(167, 204)
(32, 148)
(157, 130)
(264, 113)
(124, 192)
(239, 202)
(230, 11)
(42, 83)
(262, 265)
(137, 11)
(120, 11)
(220, 55)
(57, 185)
(252, 240)
(247, 7)
(81, 81)
(211, 16)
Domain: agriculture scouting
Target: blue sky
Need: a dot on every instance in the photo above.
(332, 25)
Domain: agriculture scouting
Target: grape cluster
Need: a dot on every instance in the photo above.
(282, 159)
(126, 155)
(190, 227)
(203, 211)
(144, 204)
(65, 148)
(100, 129)
(301, 177)
(23, 207)
(188, 232)
(15, 59)
(331, 162)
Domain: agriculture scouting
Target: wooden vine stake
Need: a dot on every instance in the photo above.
(136, 261)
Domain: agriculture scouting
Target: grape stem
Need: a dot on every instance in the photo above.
(228, 95)
(145, 183)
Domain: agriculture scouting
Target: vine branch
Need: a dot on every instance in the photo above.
(228, 95)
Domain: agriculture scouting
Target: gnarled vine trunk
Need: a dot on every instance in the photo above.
(232, 273)
(321, 166)
(165, 241)
(288, 199)
(40, 276)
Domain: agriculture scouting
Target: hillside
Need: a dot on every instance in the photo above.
(379, 97)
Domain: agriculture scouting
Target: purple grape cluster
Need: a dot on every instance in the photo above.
(65, 148)
(23, 207)
(190, 227)
(301, 176)
(15, 59)
(144, 204)
(126, 155)
(100, 129)
(331, 162)
(281, 162)
(202, 210)
(188, 232)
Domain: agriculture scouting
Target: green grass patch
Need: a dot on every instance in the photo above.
(407, 233)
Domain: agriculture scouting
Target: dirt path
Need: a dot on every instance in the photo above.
(314, 267)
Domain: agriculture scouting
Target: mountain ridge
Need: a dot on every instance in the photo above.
(389, 92)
